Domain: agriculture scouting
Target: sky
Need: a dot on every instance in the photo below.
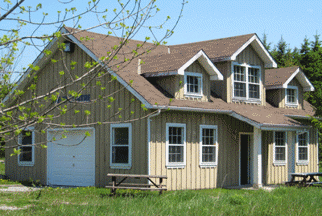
(209, 19)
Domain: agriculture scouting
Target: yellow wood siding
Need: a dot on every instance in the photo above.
(249, 56)
(192, 176)
(47, 79)
(220, 87)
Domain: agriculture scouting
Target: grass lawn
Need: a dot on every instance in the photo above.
(97, 201)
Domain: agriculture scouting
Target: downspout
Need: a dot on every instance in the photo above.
(149, 137)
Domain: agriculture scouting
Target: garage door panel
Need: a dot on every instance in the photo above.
(71, 161)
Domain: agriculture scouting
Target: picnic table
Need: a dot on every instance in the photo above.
(307, 179)
(121, 185)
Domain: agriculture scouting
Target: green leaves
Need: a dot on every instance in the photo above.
(15, 152)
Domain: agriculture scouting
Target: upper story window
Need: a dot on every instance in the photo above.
(291, 96)
(192, 84)
(246, 82)
(280, 150)
(27, 148)
(303, 148)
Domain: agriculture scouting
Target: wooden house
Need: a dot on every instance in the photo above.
(234, 119)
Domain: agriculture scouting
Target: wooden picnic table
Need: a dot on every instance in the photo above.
(307, 179)
(121, 185)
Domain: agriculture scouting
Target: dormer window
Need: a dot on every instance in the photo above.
(246, 82)
(193, 84)
(291, 96)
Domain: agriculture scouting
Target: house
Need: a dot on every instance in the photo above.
(218, 113)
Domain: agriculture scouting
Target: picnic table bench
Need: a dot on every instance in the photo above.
(120, 185)
(307, 179)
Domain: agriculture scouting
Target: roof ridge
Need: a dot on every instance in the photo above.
(252, 34)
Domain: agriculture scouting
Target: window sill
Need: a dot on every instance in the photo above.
(279, 163)
(192, 95)
(208, 165)
(236, 99)
(120, 166)
(291, 105)
(26, 163)
(175, 166)
(304, 163)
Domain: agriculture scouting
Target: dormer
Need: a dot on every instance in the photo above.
(181, 76)
(285, 87)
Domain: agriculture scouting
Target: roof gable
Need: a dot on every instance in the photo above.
(175, 64)
(281, 77)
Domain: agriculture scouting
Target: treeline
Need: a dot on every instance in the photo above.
(308, 57)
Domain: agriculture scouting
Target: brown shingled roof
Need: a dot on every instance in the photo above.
(214, 49)
(278, 76)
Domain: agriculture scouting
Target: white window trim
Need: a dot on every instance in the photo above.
(120, 165)
(246, 82)
(279, 162)
(186, 93)
(27, 163)
(296, 96)
(172, 164)
(303, 162)
(208, 164)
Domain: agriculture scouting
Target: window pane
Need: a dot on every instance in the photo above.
(193, 84)
(175, 135)
(253, 75)
(253, 91)
(208, 154)
(290, 96)
(239, 73)
(280, 153)
(303, 153)
(121, 136)
(280, 138)
(208, 145)
(120, 154)
(302, 139)
(239, 89)
(175, 153)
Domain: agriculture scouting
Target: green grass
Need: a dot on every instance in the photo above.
(97, 201)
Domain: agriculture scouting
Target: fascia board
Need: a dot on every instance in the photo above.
(271, 63)
(201, 54)
(274, 87)
(306, 87)
(119, 79)
(291, 78)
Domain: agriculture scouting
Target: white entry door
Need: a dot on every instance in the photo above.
(71, 160)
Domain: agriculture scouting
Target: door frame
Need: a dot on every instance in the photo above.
(251, 144)
(69, 129)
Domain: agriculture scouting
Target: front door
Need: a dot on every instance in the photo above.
(245, 166)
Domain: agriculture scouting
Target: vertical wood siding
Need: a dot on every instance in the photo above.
(220, 87)
(276, 174)
(48, 78)
(192, 176)
(250, 57)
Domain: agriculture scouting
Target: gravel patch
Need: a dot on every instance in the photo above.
(4, 207)
(19, 188)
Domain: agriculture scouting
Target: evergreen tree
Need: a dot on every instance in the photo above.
(266, 45)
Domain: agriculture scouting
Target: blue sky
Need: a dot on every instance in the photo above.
(209, 19)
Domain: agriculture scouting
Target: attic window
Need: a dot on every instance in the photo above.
(246, 82)
(69, 47)
(291, 96)
(192, 84)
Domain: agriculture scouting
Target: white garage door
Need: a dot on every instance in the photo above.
(71, 160)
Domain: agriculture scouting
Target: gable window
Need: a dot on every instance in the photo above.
(121, 144)
(27, 149)
(193, 84)
(291, 96)
(246, 82)
(176, 145)
(208, 145)
(280, 150)
(303, 148)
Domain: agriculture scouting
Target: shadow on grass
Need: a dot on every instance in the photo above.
(137, 194)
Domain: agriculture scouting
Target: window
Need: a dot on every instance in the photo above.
(291, 96)
(246, 82)
(303, 148)
(193, 84)
(121, 144)
(176, 145)
(280, 148)
(208, 145)
(27, 150)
